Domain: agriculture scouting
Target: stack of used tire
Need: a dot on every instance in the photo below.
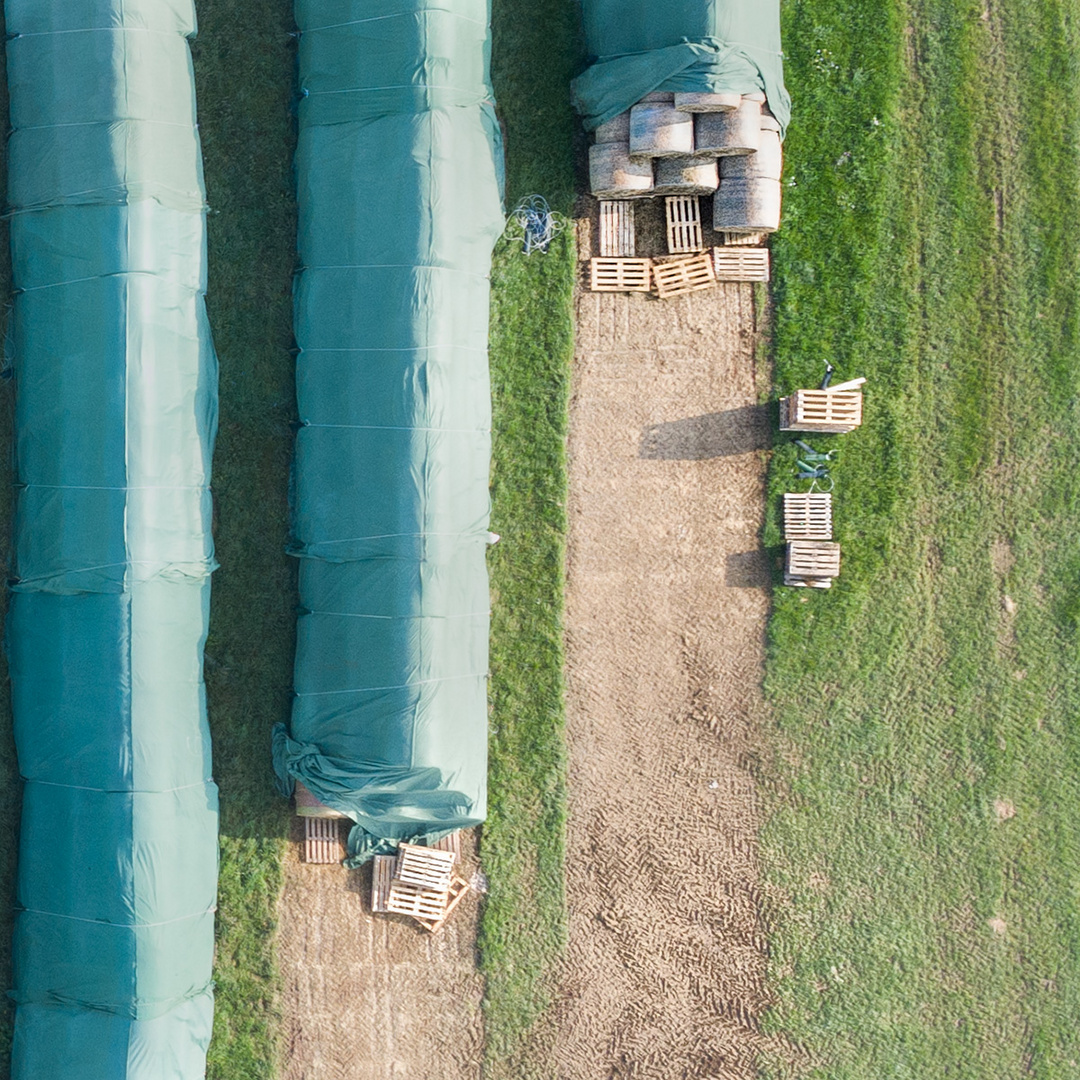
(695, 144)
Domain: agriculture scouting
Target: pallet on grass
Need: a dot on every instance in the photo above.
(620, 275)
(741, 263)
(616, 228)
(458, 888)
(678, 277)
(683, 224)
(322, 841)
(807, 515)
(425, 867)
(812, 563)
(836, 411)
(382, 877)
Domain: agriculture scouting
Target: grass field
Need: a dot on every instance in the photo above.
(923, 850)
(523, 928)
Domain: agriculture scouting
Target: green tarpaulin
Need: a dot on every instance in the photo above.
(685, 46)
(399, 171)
(115, 420)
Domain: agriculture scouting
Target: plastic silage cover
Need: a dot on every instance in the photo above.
(399, 175)
(115, 419)
(685, 46)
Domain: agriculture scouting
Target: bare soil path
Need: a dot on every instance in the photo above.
(666, 607)
(374, 998)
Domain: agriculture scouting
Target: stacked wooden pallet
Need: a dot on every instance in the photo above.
(618, 269)
(419, 882)
(836, 409)
(812, 563)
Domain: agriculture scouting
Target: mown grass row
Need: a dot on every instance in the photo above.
(923, 848)
(523, 931)
(245, 82)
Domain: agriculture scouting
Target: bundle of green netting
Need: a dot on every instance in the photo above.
(399, 175)
(116, 412)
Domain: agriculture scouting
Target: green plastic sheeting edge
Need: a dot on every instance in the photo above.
(116, 412)
(399, 168)
(681, 46)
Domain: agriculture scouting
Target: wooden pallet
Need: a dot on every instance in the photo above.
(429, 907)
(322, 841)
(743, 239)
(807, 516)
(812, 563)
(425, 867)
(620, 275)
(836, 411)
(451, 842)
(683, 224)
(406, 899)
(616, 228)
(741, 263)
(308, 806)
(382, 877)
(458, 888)
(681, 276)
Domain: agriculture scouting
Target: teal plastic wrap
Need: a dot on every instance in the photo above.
(681, 46)
(399, 168)
(116, 410)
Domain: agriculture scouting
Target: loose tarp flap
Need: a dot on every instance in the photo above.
(684, 46)
(399, 168)
(116, 410)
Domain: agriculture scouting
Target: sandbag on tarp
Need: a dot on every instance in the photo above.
(681, 46)
(399, 172)
(116, 410)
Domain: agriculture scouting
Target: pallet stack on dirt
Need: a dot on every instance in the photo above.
(322, 841)
(695, 144)
(420, 882)
(689, 265)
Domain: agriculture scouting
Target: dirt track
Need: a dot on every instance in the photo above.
(374, 998)
(666, 607)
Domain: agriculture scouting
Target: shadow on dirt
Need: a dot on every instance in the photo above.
(721, 434)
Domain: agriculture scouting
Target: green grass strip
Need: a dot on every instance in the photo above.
(919, 929)
(524, 924)
(244, 68)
